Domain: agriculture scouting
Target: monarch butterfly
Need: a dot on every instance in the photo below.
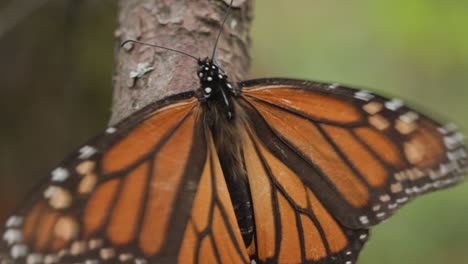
(270, 170)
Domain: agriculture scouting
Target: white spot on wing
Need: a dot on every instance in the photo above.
(409, 117)
(60, 174)
(107, 253)
(51, 259)
(380, 215)
(86, 152)
(454, 141)
(18, 251)
(125, 257)
(385, 198)
(394, 104)
(363, 95)
(402, 200)
(78, 247)
(364, 220)
(50, 191)
(34, 258)
(111, 130)
(12, 236)
(95, 243)
(62, 253)
(14, 221)
(457, 155)
(141, 261)
(448, 128)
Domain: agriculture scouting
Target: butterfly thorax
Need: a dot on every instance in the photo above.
(215, 89)
(226, 120)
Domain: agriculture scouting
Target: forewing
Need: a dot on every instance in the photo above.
(131, 195)
(361, 154)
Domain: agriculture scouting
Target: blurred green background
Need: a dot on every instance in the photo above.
(56, 68)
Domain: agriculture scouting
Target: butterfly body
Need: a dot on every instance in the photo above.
(225, 119)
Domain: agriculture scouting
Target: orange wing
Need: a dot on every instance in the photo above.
(149, 190)
(212, 234)
(361, 155)
(292, 225)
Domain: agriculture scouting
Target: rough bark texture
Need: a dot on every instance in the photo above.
(187, 25)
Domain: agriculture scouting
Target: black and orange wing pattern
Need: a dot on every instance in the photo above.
(149, 190)
(291, 223)
(362, 155)
(323, 164)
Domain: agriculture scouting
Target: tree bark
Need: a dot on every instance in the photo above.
(145, 74)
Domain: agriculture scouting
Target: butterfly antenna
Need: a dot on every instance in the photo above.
(158, 46)
(221, 30)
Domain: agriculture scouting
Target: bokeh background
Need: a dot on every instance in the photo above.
(56, 65)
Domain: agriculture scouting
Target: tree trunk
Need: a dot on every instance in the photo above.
(145, 74)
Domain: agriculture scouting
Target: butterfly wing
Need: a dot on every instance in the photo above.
(212, 234)
(292, 225)
(361, 154)
(149, 190)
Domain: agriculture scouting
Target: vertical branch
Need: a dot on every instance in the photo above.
(187, 25)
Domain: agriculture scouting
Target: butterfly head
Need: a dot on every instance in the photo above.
(214, 85)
